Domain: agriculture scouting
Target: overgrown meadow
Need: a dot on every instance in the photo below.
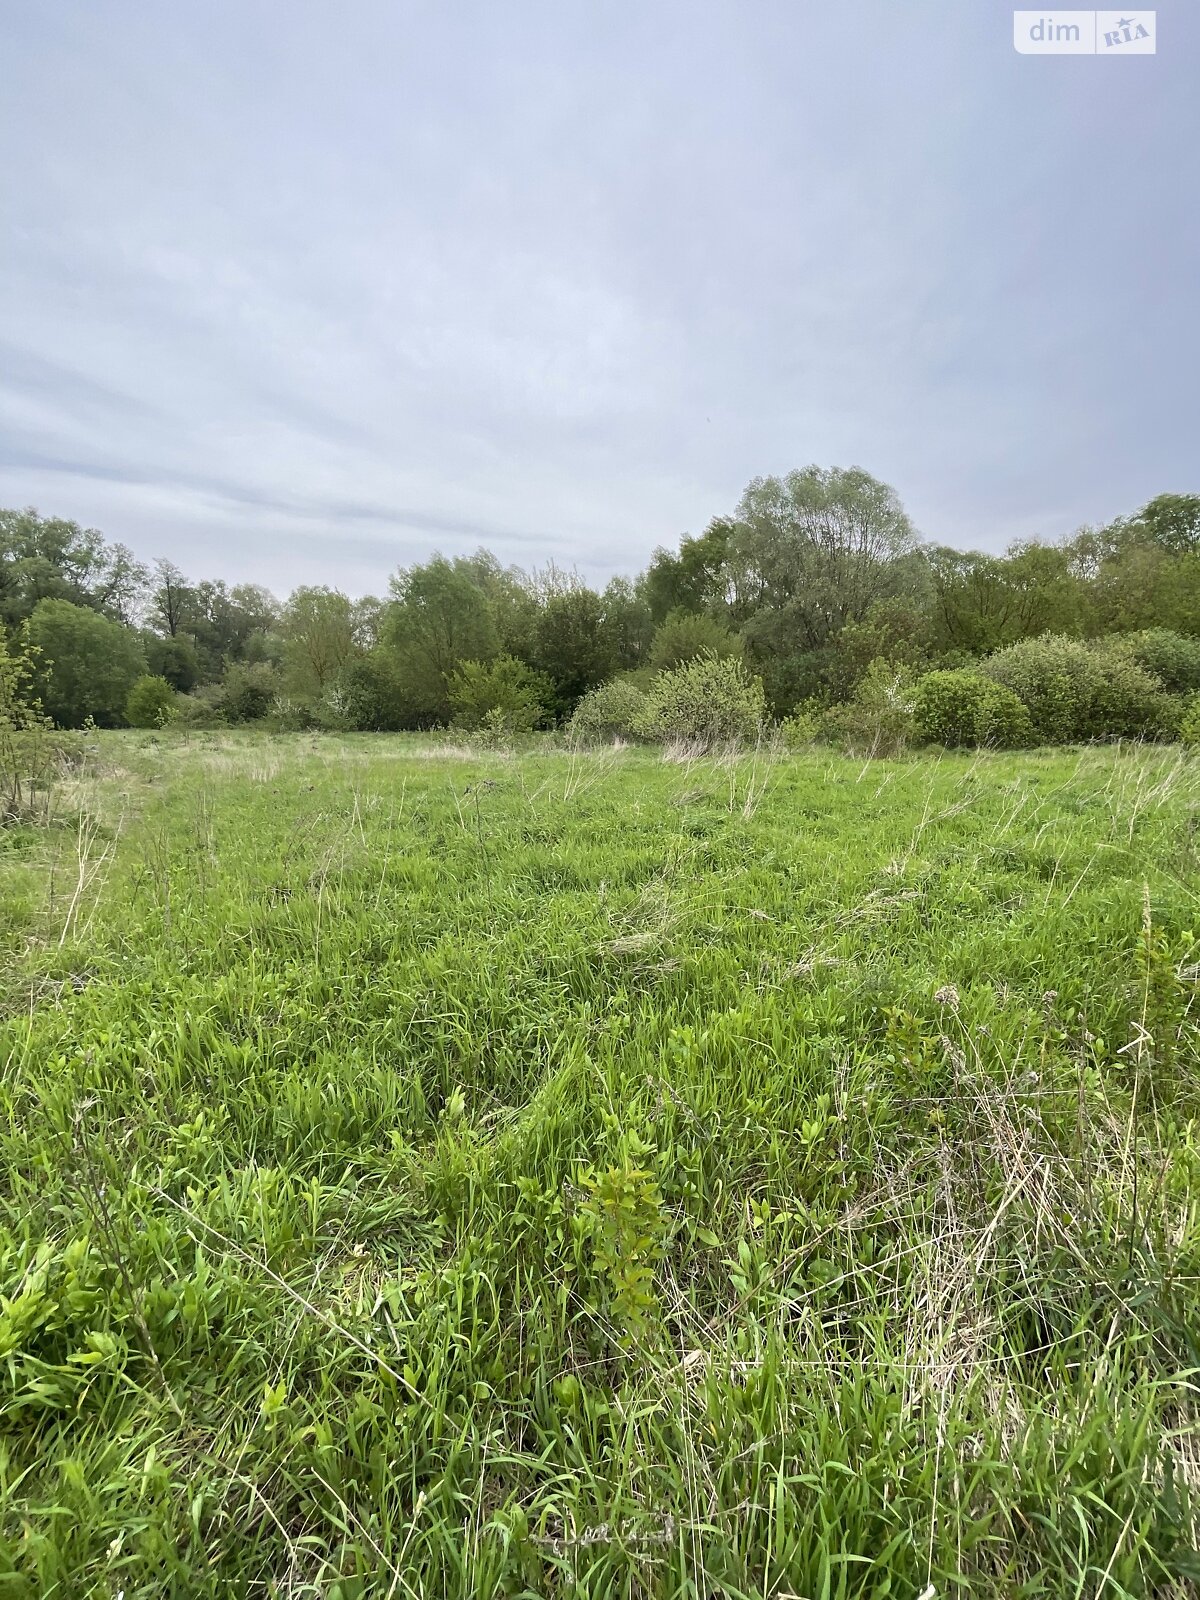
(429, 1172)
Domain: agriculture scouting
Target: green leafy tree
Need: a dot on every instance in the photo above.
(697, 578)
(248, 692)
(1170, 521)
(29, 747)
(982, 603)
(512, 600)
(439, 617)
(87, 663)
(820, 545)
(628, 623)
(230, 624)
(172, 599)
(810, 554)
(173, 658)
(1143, 570)
(317, 626)
(572, 645)
(52, 558)
(366, 697)
(895, 630)
(151, 703)
(972, 603)
(686, 635)
(791, 675)
(222, 624)
(1142, 586)
(366, 621)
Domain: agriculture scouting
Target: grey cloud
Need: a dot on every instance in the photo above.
(429, 523)
(26, 370)
(561, 280)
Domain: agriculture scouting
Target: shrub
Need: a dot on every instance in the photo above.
(893, 630)
(802, 728)
(248, 692)
(293, 714)
(962, 707)
(366, 697)
(1055, 679)
(946, 704)
(1172, 658)
(151, 703)
(1073, 692)
(878, 718)
(713, 700)
(1129, 703)
(501, 696)
(610, 712)
(1002, 720)
(32, 752)
(203, 708)
(1189, 723)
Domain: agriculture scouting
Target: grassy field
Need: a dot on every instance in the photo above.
(436, 1173)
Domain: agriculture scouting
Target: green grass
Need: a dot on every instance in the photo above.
(430, 1173)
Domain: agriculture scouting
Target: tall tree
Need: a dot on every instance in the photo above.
(86, 663)
(366, 621)
(318, 632)
(172, 658)
(820, 545)
(572, 645)
(982, 603)
(224, 624)
(51, 558)
(1144, 586)
(172, 599)
(1171, 521)
(697, 578)
(687, 635)
(121, 588)
(439, 617)
(627, 622)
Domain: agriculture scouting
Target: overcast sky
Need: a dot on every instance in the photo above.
(301, 292)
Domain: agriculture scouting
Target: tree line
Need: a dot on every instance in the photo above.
(815, 579)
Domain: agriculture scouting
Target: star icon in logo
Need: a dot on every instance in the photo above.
(1125, 22)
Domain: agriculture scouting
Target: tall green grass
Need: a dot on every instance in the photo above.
(432, 1173)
